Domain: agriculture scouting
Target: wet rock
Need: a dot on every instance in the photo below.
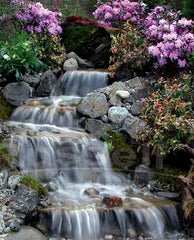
(15, 227)
(132, 125)
(52, 187)
(70, 64)
(104, 118)
(169, 195)
(131, 233)
(117, 114)
(97, 128)
(91, 191)
(136, 108)
(2, 224)
(93, 105)
(143, 175)
(47, 83)
(112, 201)
(31, 133)
(25, 200)
(17, 93)
(26, 233)
(34, 103)
(13, 181)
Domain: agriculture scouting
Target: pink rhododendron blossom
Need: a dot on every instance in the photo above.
(181, 63)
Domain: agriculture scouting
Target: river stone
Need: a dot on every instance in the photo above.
(70, 64)
(143, 175)
(13, 181)
(94, 105)
(47, 83)
(111, 91)
(91, 191)
(136, 108)
(117, 114)
(15, 227)
(25, 200)
(132, 125)
(17, 93)
(141, 93)
(122, 94)
(26, 233)
(97, 128)
(112, 201)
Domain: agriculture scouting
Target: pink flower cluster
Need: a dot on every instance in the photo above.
(171, 37)
(120, 10)
(35, 17)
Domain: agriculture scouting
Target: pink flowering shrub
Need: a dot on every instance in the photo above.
(168, 37)
(113, 12)
(34, 17)
(171, 37)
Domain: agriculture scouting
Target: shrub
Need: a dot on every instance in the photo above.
(49, 49)
(113, 12)
(169, 116)
(129, 47)
(35, 184)
(34, 17)
(18, 57)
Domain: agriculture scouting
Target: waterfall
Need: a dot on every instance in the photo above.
(47, 144)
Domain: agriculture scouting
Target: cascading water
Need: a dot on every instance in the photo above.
(45, 146)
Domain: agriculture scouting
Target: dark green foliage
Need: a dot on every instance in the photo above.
(5, 108)
(188, 10)
(75, 35)
(35, 184)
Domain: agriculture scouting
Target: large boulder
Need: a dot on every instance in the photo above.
(83, 64)
(117, 114)
(47, 83)
(94, 105)
(17, 93)
(25, 233)
(25, 200)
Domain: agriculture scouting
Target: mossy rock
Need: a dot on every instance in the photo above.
(35, 184)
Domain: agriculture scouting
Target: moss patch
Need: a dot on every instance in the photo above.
(5, 109)
(5, 158)
(35, 184)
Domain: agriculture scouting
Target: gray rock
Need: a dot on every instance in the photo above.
(104, 118)
(2, 224)
(25, 200)
(117, 114)
(93, 105)
(17, 93)
(135, 83)
(143, 175)
(122, 94)
(70, 64)
(111, 90)
(97, 128)
(13, 181)
(136, 108)
(26, 233)
(15, 227)
(33, 81)
(91, 191)
(81, 62)
(141, 93)
(47, 83)
(52, 187)
(131, 99)
(132, 125)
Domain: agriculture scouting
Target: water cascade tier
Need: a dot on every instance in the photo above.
(88, 199)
